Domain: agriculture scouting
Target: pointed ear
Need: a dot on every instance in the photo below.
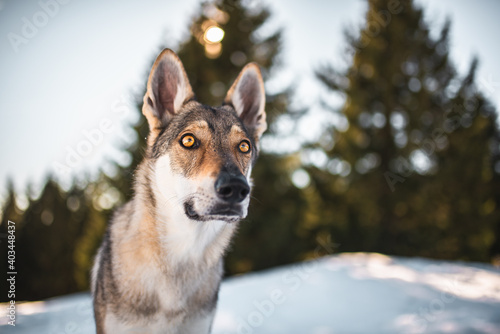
(167, 90)
(248, 98)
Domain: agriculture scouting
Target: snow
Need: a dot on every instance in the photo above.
(346, 293)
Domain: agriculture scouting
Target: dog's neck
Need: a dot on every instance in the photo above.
(186, 240)
(180, 239)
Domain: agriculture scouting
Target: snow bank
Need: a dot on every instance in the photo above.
(346, 293)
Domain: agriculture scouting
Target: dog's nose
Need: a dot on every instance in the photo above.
(230, 188)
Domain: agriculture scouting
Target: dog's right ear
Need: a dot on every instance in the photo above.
(167, 90)
(248, 98)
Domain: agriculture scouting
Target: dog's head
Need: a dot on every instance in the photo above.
(202, 156)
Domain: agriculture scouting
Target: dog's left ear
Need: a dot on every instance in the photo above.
(167, 91)
(248, 98)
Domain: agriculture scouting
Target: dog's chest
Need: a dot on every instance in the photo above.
(187, 287)
(165, 295)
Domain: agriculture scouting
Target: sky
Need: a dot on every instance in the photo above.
(66, 83)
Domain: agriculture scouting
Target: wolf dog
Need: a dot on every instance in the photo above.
(160, 264)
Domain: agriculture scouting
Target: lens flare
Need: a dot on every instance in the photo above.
(214, 34)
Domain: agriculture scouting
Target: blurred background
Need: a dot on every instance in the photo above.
(383, 132)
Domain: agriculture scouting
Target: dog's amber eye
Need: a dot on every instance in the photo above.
(188, 141)
(244, 147)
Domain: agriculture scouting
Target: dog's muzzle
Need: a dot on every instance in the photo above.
(231, 191)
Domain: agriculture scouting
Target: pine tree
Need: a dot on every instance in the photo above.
(410, 175)
(45, 247)
(57, 236)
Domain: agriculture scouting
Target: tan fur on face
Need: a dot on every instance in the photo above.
(243, 160)
(207, 159)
